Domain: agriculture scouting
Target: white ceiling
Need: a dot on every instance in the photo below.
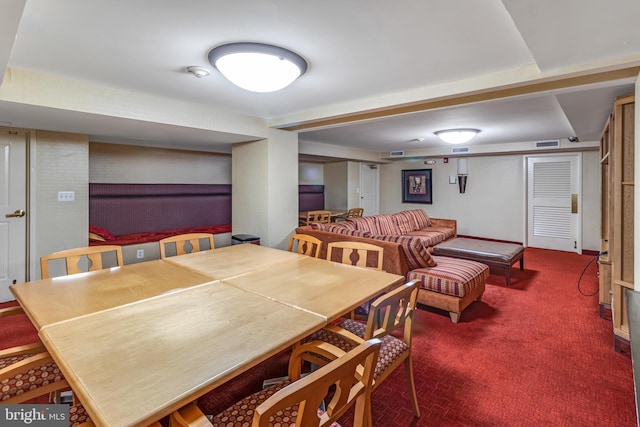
(364, 56)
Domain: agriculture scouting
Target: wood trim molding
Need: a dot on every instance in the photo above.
(467, 98)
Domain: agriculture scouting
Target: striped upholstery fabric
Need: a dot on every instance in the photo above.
(377, 224)
(29, 380)
(411, 220)
(339, 229)
(451, 276)
(349, 225)
(390, 350)
(241, 413)
(433, 235)
(414, 248)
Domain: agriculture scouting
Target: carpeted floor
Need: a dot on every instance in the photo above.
(533, 354)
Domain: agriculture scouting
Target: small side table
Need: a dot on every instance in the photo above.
(239, 239)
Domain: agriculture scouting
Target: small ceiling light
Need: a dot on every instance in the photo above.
(457, 136)
(257, 67)
(198, 71)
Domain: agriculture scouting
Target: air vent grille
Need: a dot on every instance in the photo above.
(460, 150)
(396, 153)
(548, 144)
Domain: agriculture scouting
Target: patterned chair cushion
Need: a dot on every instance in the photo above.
(241, 413)
(28, 380)
(415, 250)
(390, 349)
(456, 277)
(78, 415)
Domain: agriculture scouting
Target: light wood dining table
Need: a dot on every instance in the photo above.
(60, 298)
(136, 358)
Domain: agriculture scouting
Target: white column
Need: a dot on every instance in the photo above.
(265, 188)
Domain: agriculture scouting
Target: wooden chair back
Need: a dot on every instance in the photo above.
(322, 217)
(305, 244)
(347, 379)
(355, 253)
(186, 243)
(93, 255)
(393, 311)
(355, 212)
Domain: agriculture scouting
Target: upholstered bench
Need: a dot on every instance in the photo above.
(496, 255)
(452, 285)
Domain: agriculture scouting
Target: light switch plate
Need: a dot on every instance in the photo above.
(66, 196)
(452, 179)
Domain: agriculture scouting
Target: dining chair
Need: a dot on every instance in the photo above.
(305, 244)
(356, 253)
(76, 257)
(319, 216)
(345, 382)
(351, 213)
(186, 243)
(18, 366)
(391, 320)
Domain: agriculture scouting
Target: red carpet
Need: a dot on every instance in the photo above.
(533, 354)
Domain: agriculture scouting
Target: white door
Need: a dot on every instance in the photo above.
(13, 219)
(369, 189)
(554, 202)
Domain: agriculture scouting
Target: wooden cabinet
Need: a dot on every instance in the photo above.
(606, 226)
(617, 212)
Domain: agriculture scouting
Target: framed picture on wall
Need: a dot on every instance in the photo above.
(416, 186)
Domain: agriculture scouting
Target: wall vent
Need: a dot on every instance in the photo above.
(396, 153)
(460, 150)
(548, 144)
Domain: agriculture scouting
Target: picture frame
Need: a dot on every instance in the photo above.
(417, 186)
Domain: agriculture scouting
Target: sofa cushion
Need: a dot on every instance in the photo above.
(411, 220)
(415, 251)
(431, 236)
(457, 277)
(377, 224)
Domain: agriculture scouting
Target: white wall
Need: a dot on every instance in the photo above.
(335, 185)
(114, 163)
(60, 162)
(310, 173)
(493, 205)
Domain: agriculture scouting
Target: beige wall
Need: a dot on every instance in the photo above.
(59, 162)
(494, 202)
(310, 173)
(336, 185)
(113, 163)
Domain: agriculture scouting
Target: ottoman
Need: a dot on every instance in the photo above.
(452, 285)
(496, 255)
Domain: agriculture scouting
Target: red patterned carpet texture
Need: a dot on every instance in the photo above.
(532, 354)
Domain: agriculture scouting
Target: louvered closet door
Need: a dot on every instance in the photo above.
(554, 202)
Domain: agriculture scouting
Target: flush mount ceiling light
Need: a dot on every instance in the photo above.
(258, 67)
(457, 136)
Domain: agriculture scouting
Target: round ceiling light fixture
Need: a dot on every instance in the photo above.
(257, 67)
(457, 136)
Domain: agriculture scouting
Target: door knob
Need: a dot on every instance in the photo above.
(17, 214)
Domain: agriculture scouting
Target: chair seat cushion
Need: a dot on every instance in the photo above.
(456, 277)
(28, 380)
(390, 350)
(78, 415)
(241, 413)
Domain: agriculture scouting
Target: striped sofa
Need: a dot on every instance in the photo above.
(446, 283)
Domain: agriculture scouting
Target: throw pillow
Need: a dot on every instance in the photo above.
(417, 254)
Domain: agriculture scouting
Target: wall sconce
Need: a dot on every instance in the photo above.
(462, 175)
